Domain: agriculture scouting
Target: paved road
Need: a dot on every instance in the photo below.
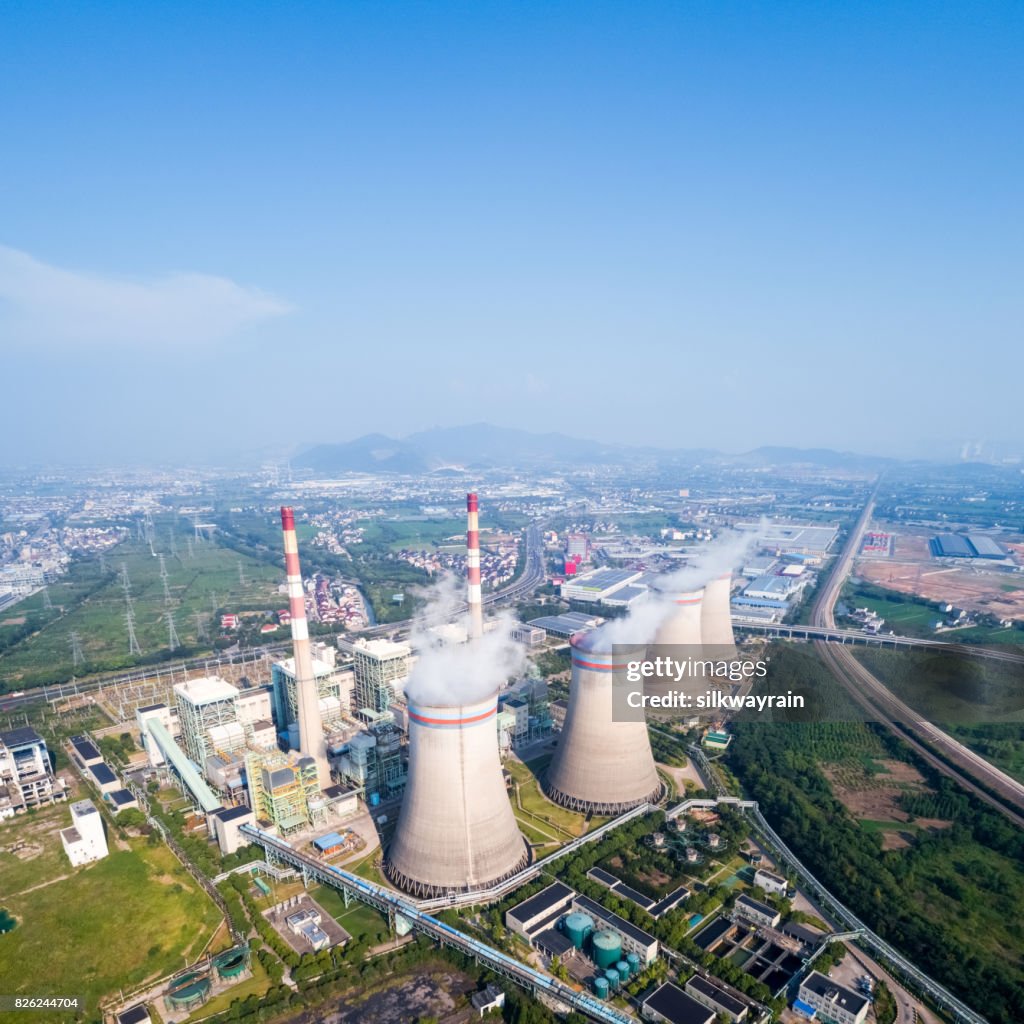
(971, 770)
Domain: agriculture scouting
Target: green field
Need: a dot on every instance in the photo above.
(357, 918)
(550, 820)
(110, 925)
(93, 604)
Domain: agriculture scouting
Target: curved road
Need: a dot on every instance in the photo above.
(957, 761)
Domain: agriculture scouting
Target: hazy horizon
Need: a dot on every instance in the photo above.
(230, 231)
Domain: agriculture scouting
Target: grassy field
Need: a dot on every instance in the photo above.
(357, 918)
(908, 617)
(92, 604)
(538, 811)
(133, 916)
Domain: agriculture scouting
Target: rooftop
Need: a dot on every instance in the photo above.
(20, 737)
(206, 690)
(839, 995)
(542, 903)
(715, 992)
(619, 924)
(757, 905)
(677, 1007)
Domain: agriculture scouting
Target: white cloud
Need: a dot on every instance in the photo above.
(49, 306)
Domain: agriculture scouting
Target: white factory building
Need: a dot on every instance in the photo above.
(85, 841)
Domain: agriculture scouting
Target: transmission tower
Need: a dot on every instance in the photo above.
(47, 603)
(77, 656)
(163, 577)
(129, 615)
(174, 545)
(138, 530)
(213, 601)
(200, 627)
(241, 574)
(191, 553)
(173, 643)
(147, 524)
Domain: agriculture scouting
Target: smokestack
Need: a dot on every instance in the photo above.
(307, 698)
(476, 608)
(716, 619)
(456, 831)
(600, 765)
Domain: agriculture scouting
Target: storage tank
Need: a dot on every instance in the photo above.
(601, 988)
(623, 968)
(600, 766)
(634, 964)
(606, 948)
(613, 977)
(577, 927)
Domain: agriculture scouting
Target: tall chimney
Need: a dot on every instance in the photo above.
(307, 698)
(476, 608)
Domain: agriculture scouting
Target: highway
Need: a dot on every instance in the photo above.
(391, 903)
(969, 769)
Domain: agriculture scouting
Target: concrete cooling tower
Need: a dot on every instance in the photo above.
(716, 619)
(680, 635)
(456, 831)
(600, 765)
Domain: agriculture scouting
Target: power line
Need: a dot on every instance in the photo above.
(173, 642)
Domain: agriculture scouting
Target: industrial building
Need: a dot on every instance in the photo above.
(380, 668)
(26, 773)
(715, 998)
(86, 840)
(770, 882)
(208, 717)
(833, 1002)
(600, 765)
(670, 1004)
(456, 831)
(284, 791)
(227, 822)
(793, 538)
(371, 760)
(532, 636)
(971, 545)
(778, 588)
(756, 912)
(567, 624)
(599, 584)
(540, 912)
(334, 686)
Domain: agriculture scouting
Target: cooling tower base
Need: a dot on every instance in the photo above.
(606, 810)
(427, 890)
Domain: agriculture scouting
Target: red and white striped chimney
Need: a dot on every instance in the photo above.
(307, 699)
(476, 608)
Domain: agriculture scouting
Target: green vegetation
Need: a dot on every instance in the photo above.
(110, 925)
(942, 900)
(534, 810)
(885, 1005)
(92, 604)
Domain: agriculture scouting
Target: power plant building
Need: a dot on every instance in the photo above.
(333, 686)
(208, 717)
(456, 831)
(600, 765)
(284, 791)
(595, 586)
(26, 773)
(380, 668)
(86, 840)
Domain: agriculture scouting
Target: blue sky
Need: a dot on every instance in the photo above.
(716, 224)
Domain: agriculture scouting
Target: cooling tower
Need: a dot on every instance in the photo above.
(456, 831)
(600, 765)
(716, 619)
(680, 636)
(311, 727)
(473, 598)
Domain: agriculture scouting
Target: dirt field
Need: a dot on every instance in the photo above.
(873, 798)
(913, 570)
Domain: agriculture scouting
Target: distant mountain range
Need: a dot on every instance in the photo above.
(452, 450)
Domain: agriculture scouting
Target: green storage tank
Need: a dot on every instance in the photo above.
(577, 927)
(634, 964)
(601, 988)
(623, 968)
(607, 948)
(613, 978)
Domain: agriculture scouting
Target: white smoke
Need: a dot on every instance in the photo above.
(646, 615)
(449, 670)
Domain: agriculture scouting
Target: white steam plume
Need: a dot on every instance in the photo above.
(459, 673)
(646, 615)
